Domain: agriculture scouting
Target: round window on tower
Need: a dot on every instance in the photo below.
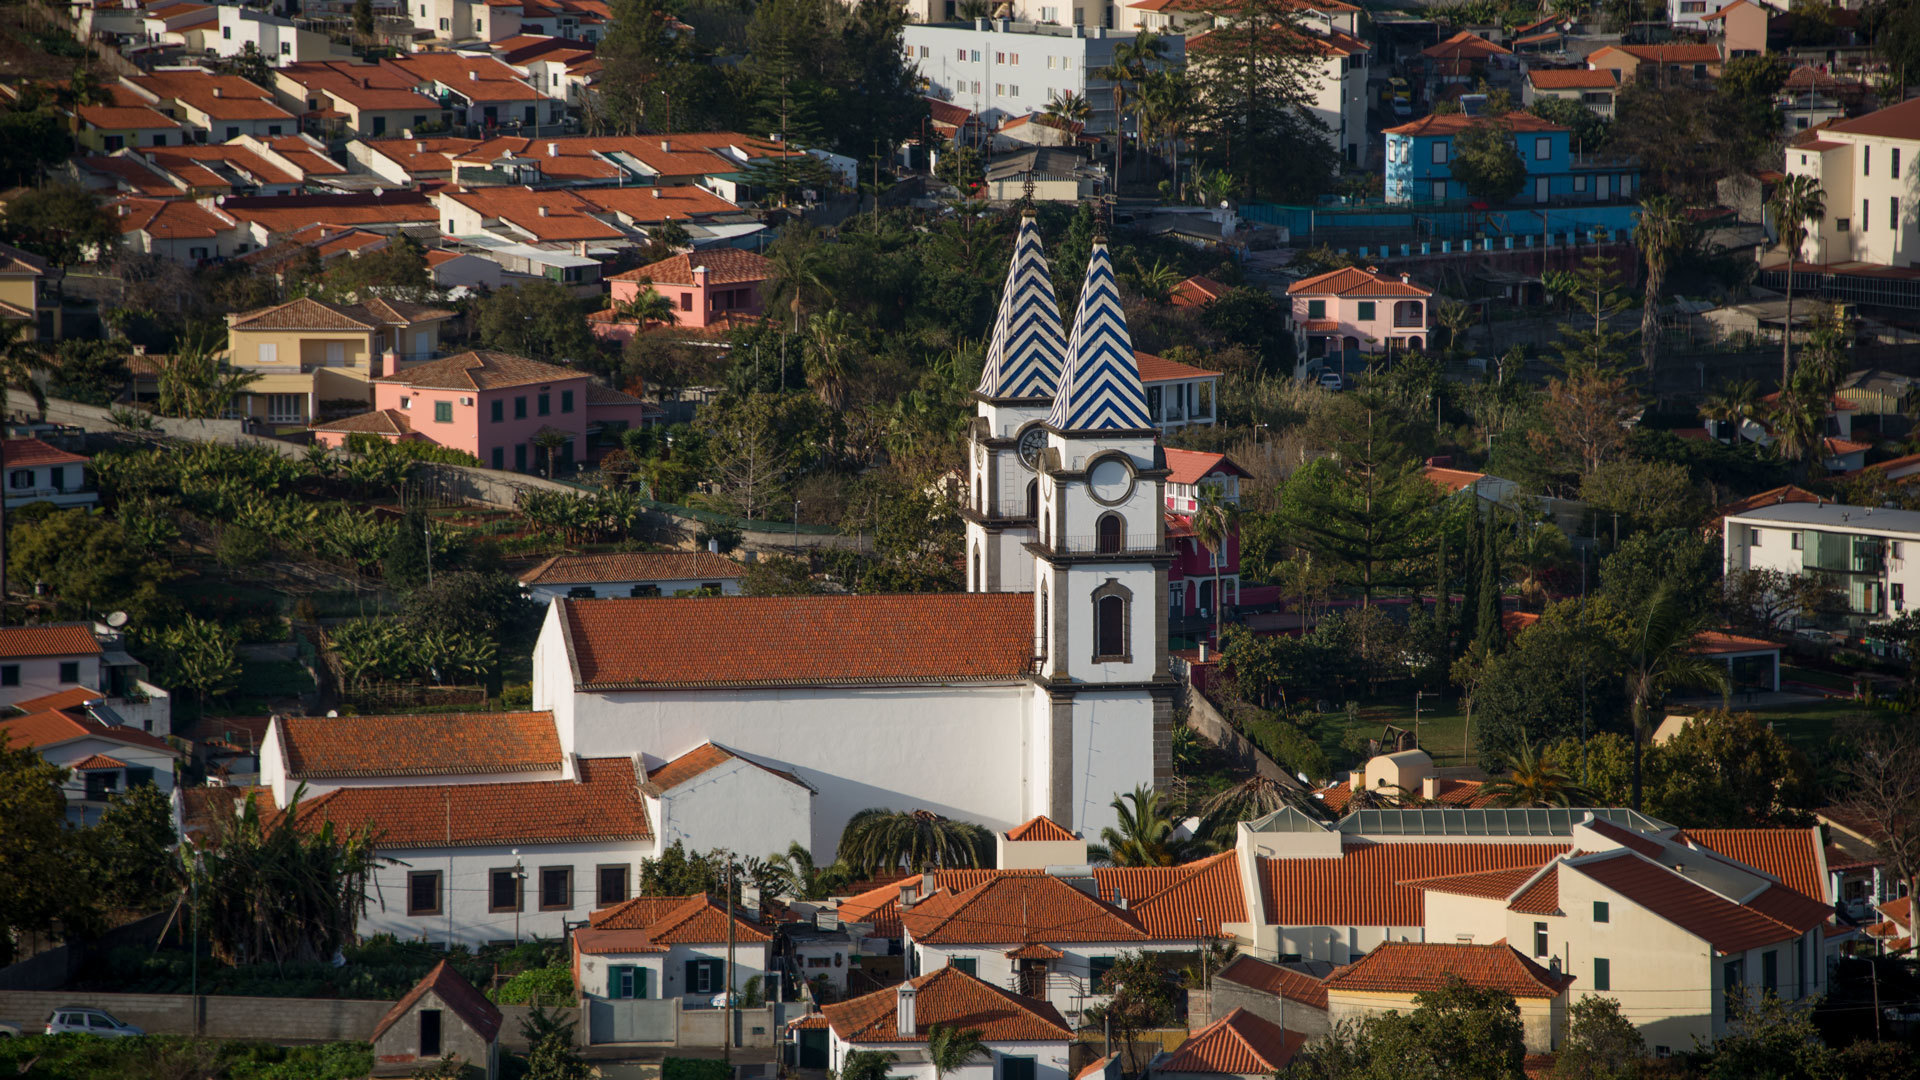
(1111, 480)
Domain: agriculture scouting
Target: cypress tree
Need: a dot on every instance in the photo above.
(1490, 631)
(1470, 573)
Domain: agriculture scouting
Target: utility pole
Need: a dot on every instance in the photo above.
(429, 533)
(1417, 695)
(726, 1044)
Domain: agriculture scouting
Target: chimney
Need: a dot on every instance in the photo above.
(656, 192)
(908, 896)
(927, 884)
(217, 93)
(389, 364)
(700, 282)
(583, 249)
(903, 1010)
(979, 24)
(543, 211)
(666, 147)
(1203, 652)
(1406, 279)
(139, 350)
(473, 76)
(419, 146)
(553, 149)
(1430, 787)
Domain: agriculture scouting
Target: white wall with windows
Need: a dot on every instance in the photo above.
(472, 896)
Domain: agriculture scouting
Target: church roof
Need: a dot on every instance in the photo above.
(1028, 345)
(1101, 390)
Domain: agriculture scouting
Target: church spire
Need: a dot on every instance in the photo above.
(1100, 390)
(1024, 357)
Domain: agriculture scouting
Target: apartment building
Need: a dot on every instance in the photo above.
(1859, 550)
(1420, 153)
(1864, 166)
(276, 37)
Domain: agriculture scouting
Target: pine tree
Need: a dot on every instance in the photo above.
(1490, 632)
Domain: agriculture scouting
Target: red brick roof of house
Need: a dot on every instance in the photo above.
(168, 219)
(52, 639)
(424, 744)
(1487, 885)
(1041, 829)
(1572, 79)
(651, 205)
(1237, 1044)
(1197, 291)
(703, 759)
(1366, 885)
(724, 266)
(679, 920)
(1443, 124)
(28, 453)
(1193, 466)
(1777, 914)
(1669, 54)
(1542, 897)
(481, 369)
(1159, 369)
(377, 422)
(1412, 967)
(59, 701)
(1019, 908)
(94, 762)
(1354, 281)
(633, 566)
(673, 642)
(1791, 856)
(470, 1005)
(56, 726)
(603, 804)
(287, 213)
(952, 998)
(477, 78)
(1277, 980)
(1465, 45)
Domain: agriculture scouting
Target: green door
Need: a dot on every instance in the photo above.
(813, 1048)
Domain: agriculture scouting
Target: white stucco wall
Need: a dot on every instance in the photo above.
(737, 806)
(464, 917)
(1050, 1059)
(40, 676)
(666, 973)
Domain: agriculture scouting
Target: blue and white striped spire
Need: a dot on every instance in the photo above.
(1024, 357)
(1101, 389)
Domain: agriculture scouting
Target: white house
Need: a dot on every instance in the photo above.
(37, 472)
(632, 573)
(277, 38)
(654, 947)
(76, 730)
(1860, 550)
(713, 797)
(39, 660)
(1386, 980)
(1864, 166)
(1024, 1039)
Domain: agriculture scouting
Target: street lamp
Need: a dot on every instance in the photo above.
(519, 892)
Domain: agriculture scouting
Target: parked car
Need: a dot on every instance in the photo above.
(1332, 380)
(10, 1030)
(84, 1020)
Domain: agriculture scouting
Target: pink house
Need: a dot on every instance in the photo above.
(1341, 315)
(1190, 578)
(492, 405)
(706, 288)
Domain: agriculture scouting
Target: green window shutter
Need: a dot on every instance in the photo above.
(967, 964)
(639, 982)
(693, 975)
(1316, 309)
(1100, 965)
(1602, 974)
(1365, 313)
(1016, 1068)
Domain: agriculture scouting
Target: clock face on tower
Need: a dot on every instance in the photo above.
(1032, 441)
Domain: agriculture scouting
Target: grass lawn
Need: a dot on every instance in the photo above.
(1808, 725)
(1442, 728)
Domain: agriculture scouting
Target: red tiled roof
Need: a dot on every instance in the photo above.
(724, 266)
(880, 905)
(52, 727)
(377, 422)
(650, 205)
(1488, 885)
(60, 701)
(1042, 828)
(548, 215)
(1020, 908)
(480, 369)
(27, 453)
(496, 81)
(1723, 924)
(1160, 369)
(1035, 952)
(425, 744)
(1627, 838)
(1365, 885)
(953, 998)
(1353, 281)
(55, 639)
(824, 640)
(1542, 897)
(1277, 980)
(603, 804)
(1443, 124)
(1666, 54)
(1197, 291)
(1180, 901)
(456, 993)
(1838, 446)
(702, 759)
(286, 213)
(633, 566)
(97, 761)
(1465, 45)
(1412, 967)
(168, 219)
(1717, 642)
(1895, 121)
(679, 920)
(1786, 493)
(1572, 79)
(1192, 466)
(1790, 855)
(1237, 1044)
(1451, 480)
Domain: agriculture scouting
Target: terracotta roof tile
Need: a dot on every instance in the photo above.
(1365, 885)
(1035, 951)
(308, 313)
(15, 261)
(1041, 829)
(60, 701)
(1353, 281)
(1021, 908)
(1237, 1044)
(458, 994)
(633, 566)
(1189, 901)
(54, 726)
(1627, 838)
(1444, 124)
(724, 266)
(1487, 885)
(703, 759)
(1192, 466)
(679, 920)
(496, 81)
(951, 997)
(548, 216)
(31, 452)
(480, 370)
(879, 906)
(1159, 369)
(648, 205)
(168, 219)
(603, 804)
(1197, 291)
(97, 761)
(54, 639)
(286, 213)
(1572, 79)
(724, 641)
(426, 744)
(377, 422)
(1723, 924)
(1412, 967)
(1542, 897)
(1277, 980)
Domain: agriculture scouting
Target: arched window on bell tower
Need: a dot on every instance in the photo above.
(979, 571)
(1112, 534)
(1043, 636)
(1112, 622)
(1033, 498)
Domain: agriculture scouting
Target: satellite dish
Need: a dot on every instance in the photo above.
(219, 200)
(117, 619)
(377, 192)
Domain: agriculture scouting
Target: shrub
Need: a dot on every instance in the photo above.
(542, 985)
(694, 1069)
(239, 548)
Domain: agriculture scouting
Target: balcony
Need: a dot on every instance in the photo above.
(1119, 549)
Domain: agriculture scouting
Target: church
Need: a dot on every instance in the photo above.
(1043, 689)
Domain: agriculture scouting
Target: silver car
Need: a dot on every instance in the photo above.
(85, 1020)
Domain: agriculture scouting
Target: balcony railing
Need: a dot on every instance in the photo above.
(1097, 545)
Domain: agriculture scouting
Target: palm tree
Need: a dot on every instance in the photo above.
(1068, 111)
(1661, 229)
(1799, 423)
(1796, 203)
(1131, 62)
(831, 340)
(647, 306)
(1455, 317)
(1254, 797)
(1154, 283)
(1215, 523)
(950, 1049)
(878, 839)
(797, 278)
(1167, 108)
(805, 880)
(1662, 657)
(1534, 780)
(16, 374)
(551, 440)
(1145, 836)
(1735, 404)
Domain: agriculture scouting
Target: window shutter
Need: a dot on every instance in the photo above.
(639, 982)
(693, 975)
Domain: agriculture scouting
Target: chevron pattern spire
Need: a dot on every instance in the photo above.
(1024, 357)
(1101, 389)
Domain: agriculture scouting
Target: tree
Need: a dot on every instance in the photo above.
(1068, 110)
(1596, 290)
(1487, 163)
(1585, 417)
(1603, 764)
(363, 19)
(90, 372)
(1884, 795)
(1216, 523)
(1533, 779)
(648, 307)
(877, 839)
(405, 564)
(779, 575)
(1735, 404)
(833, 340)
(950, 1049)
(1661, 230)
(397, 271)
(864, 1065)
(1145, 835)
(1679, 560)
(550, 1048)
(489, 603)
(32, 139)
(539, 320)
(1660, 657)
(84, 562)
(1456, 1031)
(1564, 667)
(34, 892)
(1138, 998)
(1601, 1043)
(1368, 509)
(64, 222)
(1589, 130)
(552, 440)
(1769, 1038)
(131, 851)
(1796, 203)
(805, 880)
(197, 654)
(1728, 770)
(1253, 78)
(1650, 495)
(679, 873)
(1132, 59)
(16, 369)
(194, 383)
(1798, 418)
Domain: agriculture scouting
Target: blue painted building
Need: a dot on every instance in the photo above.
(1420, 157)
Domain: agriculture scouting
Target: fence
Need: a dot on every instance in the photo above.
(53, 967)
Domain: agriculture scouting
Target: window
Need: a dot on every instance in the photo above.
(543, 404)
(1753, 537)
(566, 401)
(1316, 309)
(703, 976)
(232, 133)
(443, 412)
(406, 403)
(20, 479)
(504, 889)
(283, 408)
(429, 1033)
(69, 671)
(269, 353)
(1795, 540)
(1363, 311)
(423, 892)
(1542, 148)
(1017, 1068)
(1540, 939)
(960, 54)
(1770, 971)
(497, 411)
(1110, 621)
(1112, 536)
(443, 24)
(686, 301)
(999, 58)
(1896, 549)
(581, 592)
(965, 963)
(1893, 213)
(1899, 597)
(1842, 224)
(499, 454)
(1580, 183)
(1733, 983)
(9, 674)
(520, 408)
(1013, 89)
(1866, 160)
(626, 981)
(1439, 153)
(1693, 7)
(115, 142)
(1602, 974)
(556, 887)
(612, 881)
(520, 456)
(1601, 912)
(226, 33)
(1866, 219)
(57, 477)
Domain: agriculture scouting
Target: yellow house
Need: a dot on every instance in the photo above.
(310, 352)
(20, 299)
(1386, 980)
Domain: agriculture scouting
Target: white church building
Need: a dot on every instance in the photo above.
(752, 722)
